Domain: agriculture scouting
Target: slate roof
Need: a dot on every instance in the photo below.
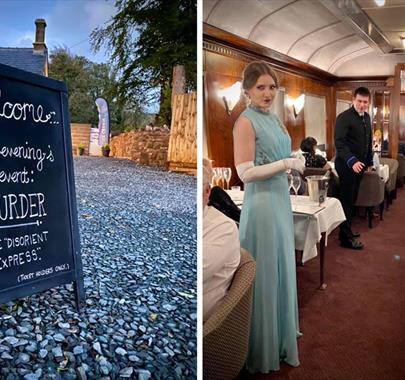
(23, 59)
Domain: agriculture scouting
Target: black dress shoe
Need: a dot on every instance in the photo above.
(356, 234)
(352, 244)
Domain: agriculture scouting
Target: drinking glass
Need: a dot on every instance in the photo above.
(290, 179)
(215, 177)
(227, 172)
(221, 180)
(296, 183)
(326, 190)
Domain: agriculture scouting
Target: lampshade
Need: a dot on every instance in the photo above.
(230, 96)
(296, 103)
(375, 111)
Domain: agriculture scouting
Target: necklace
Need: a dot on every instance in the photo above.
(260, 110)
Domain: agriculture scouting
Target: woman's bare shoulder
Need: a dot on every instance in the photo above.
(243, 124)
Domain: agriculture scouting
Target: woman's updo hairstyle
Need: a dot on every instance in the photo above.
(308, 144)
(253, 71)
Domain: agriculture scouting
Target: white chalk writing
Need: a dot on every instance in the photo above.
(18, 259)
(21, 206)
(14, 177)
(26, 240)
(22, 111)
(28, 153)
(43, 272)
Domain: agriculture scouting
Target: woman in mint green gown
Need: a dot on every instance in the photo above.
(266, 227)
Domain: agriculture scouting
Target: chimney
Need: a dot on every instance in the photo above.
(39, 44)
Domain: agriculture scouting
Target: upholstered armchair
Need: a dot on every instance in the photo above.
(226, 332)
(391, 185)
(314, 171)
(371, 194)
(401, 169)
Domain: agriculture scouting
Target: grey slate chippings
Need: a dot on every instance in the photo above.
(138, 241)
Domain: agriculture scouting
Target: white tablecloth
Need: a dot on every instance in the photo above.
(236, 196)
(308, 228)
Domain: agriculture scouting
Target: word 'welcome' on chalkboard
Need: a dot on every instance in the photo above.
(39, 236)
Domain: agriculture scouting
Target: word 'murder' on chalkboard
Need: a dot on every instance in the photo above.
(39, 238)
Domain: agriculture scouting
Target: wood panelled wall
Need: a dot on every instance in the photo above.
(402, 119)
(223, 67)
(397, 129)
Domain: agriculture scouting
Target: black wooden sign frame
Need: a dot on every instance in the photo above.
(74, 274)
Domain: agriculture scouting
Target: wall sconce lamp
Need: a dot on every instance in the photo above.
(230, 96)
(297, 104)
(403, 42)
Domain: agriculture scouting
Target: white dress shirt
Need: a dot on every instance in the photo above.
(221, 257)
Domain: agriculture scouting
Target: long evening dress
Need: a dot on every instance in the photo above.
(267, 231)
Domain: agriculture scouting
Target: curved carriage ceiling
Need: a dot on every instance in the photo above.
(342, 37)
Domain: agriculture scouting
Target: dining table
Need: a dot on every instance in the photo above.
(313, 222)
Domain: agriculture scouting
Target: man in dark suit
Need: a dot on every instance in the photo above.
(353, 142)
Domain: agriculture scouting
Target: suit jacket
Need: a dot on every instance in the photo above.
(353, 138)
(223, 202)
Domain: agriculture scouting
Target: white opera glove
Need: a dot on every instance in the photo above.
(248, 172)
(298, 154)
(296, 164)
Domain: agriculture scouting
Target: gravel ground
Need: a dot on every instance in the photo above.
(138, 238)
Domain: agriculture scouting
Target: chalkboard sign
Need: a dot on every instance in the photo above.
(39, 237)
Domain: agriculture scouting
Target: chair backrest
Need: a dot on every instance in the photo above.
(401, 166)
(313, 171)
(226, 332)
(371, 190)
(321, 147)
(393, 165)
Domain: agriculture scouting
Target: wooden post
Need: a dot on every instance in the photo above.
(393, 137)
(331, 100)
(179, 81)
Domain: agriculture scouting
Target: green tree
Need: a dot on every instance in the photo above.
(165, 113)
(87, 81)
(147, 39)
(75, 71)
